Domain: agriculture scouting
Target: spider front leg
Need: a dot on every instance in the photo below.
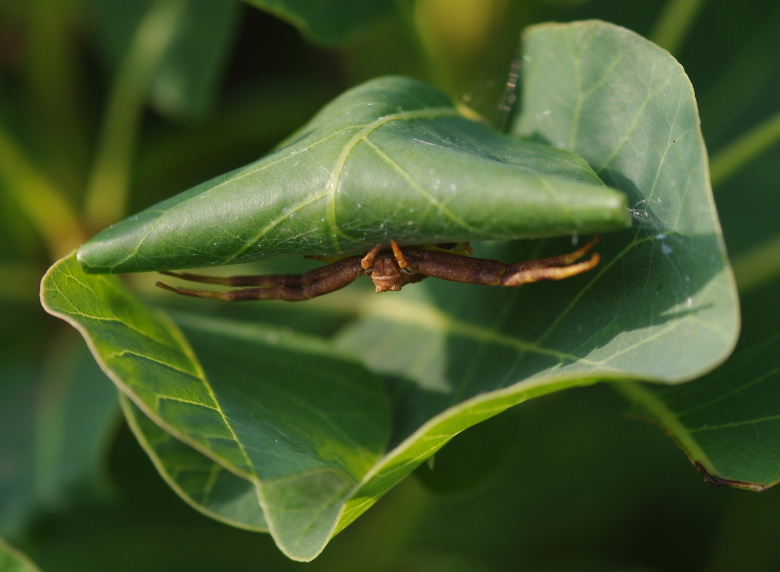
(289, 287)
(551, 268)
(458, 268)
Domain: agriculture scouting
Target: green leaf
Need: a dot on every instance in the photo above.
(202, 483)
(660, 307)
(628, 108)
(390, 159)
(290, 413)
(17, 448)
(77, 420)
(727, 422)
(57, 422)
(475, 457)
(11, 560)
(185, 80)
(329, 22)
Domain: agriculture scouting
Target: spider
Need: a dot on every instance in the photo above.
(392, 269)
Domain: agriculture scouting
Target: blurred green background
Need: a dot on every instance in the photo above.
(106, 107)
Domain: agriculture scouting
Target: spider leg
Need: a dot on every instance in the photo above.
(399, 255)
(290, 287)
(255, 280)
(518, 276)
(368, 259)
(552, 267)
(457, 268)
(561, 259)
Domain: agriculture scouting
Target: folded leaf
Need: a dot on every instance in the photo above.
(390, 159)
(307, 425)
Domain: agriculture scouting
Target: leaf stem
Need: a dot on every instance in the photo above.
(15, 559)
(44, 204)
(745, 149)
(658, 411)
(109, 180)
(53, 91)
(672, 27)
(758, 266)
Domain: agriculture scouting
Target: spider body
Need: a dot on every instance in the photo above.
(387, 274)
(391, 269)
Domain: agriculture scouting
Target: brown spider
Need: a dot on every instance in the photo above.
(392, 269)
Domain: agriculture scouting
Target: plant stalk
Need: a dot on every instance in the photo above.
(676, 19)
(43, 203)
(745, 149)
(109, 182)
(758, 266)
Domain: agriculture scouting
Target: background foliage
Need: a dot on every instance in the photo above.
(578, 484)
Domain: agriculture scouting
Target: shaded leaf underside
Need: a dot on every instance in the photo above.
(727, 422)
(328, 22)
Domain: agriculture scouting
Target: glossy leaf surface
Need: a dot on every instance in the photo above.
(292, 414)
(728, 421)
(328, 22)
(390, 159)
(450, 355)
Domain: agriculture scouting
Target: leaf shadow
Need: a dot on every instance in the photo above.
(543, 333)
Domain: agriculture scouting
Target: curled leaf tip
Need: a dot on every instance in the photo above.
(390, 159)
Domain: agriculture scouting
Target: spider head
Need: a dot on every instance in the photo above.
(388, 275)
